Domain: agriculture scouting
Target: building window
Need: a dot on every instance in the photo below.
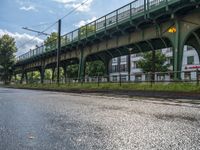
(138, 77)
(137, 55)
(114, 60)
(187, 75)
(169, 50)
(170, 60)
(190, 60)
(135, 65)
(123, 68)
(133, 55)
(171, 76)
(114, 68)
(189, 48)
(114, 78)
(123, 59)
(123, 78)
(161, 77)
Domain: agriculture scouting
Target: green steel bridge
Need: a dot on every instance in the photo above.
(140, 26)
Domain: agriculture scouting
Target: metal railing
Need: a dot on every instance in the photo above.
(128, 12)
(120, 78)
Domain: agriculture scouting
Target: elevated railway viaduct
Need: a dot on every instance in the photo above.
(143, 25)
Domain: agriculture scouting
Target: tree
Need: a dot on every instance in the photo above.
(33, 76)
(89, 29)
(51, 42)
(7, 57)
(48, 74)
(72, 71)
(146, 64)
(95, 68)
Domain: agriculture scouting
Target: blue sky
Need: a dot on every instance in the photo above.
(39, 14)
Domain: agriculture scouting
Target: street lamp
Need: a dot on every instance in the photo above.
(172, 30)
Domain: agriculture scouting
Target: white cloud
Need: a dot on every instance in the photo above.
(26, 5)
(24, 41)
(84, 22)
(64, 1)
(51, 12)
(83, 8)
(28, 8)
(76, 4)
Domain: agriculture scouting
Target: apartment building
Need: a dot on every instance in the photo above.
(119, 66)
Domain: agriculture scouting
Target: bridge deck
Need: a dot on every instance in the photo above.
(138, 9)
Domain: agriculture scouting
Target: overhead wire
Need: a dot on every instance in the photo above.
(73, 10)
(42, 24)
(37, 35)
(69, 13)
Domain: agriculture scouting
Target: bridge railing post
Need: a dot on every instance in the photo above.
(166, 3)
(145, 7)
(130, 11)
(105, 27)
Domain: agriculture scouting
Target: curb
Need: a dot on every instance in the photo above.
(128, 93)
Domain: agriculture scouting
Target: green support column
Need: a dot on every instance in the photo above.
(196, 45)
(178, 51)
(65, 72)
(81, 72)
(107, 72)
(22, 78)
(26, 77)
(42, 74)
(53, 74)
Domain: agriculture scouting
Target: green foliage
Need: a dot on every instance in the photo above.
(33, 76)
(95, 68)
(147, 64)
(7, 57)
(171, 87)
(72, 71)
(51, 42)
(61, 73)
(48, 74)
(18, 78)
(90, 29)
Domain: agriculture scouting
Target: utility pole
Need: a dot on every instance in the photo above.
(58, 46)
(58, 51)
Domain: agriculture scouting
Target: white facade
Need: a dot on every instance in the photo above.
(189, 65)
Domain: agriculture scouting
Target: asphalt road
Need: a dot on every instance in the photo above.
(39, 120)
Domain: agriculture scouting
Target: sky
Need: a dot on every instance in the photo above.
(40, 14)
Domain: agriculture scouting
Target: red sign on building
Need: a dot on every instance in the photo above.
(193, 67)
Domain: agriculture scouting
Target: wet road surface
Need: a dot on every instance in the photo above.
(39, 120)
